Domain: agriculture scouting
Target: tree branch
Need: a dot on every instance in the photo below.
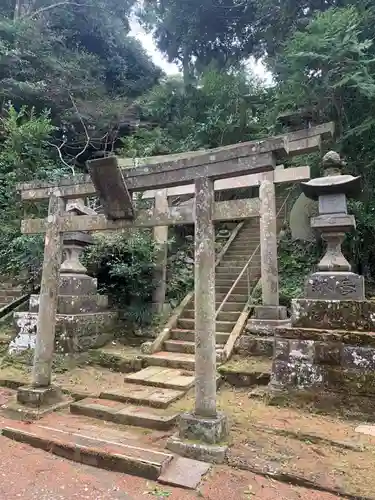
(53, 6)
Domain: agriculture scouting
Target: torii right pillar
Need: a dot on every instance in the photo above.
(270, 314)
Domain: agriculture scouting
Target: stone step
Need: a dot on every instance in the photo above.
(221, 326)
(10, 293)
(245, 245)
(122, 413)
(167, 378)
(233, 253)
(231, 264)
(235, 297)
(111, 455)
(171, 360)
(230, 306)
(228, 269)
(254, 345)
(184, 346)
(246, 372)
(223, 315)
(239, 288)
(251, 271)
(146, 395)
(189, 336)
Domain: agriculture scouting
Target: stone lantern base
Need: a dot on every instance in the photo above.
(82, 321)
(330, 347)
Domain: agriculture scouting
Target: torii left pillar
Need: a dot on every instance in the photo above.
(41, 396)
(207, 427)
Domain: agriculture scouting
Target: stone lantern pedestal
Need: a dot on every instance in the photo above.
(82, 321)
(330, 348)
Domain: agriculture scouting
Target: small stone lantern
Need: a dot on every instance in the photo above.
(334, 279)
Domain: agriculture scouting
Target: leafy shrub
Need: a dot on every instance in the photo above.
(297, 260)
(123, 264)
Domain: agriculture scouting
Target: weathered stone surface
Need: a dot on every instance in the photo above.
(281, 349)
(184, 473)
(215, 454)
(74, 304)
(205, 350)
(117, 454)
(81, 185)
(266, 327)
(299, 374)
(158, 376)
(253, 345)
(268, 245)
(328, 353)
(207, 430)
(361, 358)
(299, 220)
(46, 322)
(39, 396)
(81, 284)
(332, 336)
(122, 413)
(74, 333)
(301, 350)
(335, 286)
(270, 312)
(161, 240)
(350, 381)
(334, 314)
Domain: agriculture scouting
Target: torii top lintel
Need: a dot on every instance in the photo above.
(173, 170)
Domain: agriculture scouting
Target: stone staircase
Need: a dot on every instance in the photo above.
(9, 292)
(168, 373)
(146, 398)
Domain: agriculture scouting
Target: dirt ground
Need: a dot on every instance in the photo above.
(296, 445)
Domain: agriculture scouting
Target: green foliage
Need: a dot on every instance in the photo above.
(24, 156)
(223, 108)
(180, 269)
(123, 264)
(297, 260)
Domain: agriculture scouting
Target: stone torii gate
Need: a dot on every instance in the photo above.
(114, 187)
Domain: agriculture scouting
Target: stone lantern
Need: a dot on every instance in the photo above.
(334, 279)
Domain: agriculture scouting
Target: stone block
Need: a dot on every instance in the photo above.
(207, 430)
(335, 286)
(74, 304)
(298, 374)
(270, 312)
(74, 333)
(328, 353)
(333, 223)
(301, 350)
(334, 314)
(253, 345)
(204, 452)
(361, 358)
(39, 396)
(77, 284)
(281, 349)
(332, 204)
(266, 326)
(350, 381)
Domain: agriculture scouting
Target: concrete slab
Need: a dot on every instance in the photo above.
(155, 397)
(184, 473)
(171, 360)
(168, 378)
(99, 453)
(121, 413)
